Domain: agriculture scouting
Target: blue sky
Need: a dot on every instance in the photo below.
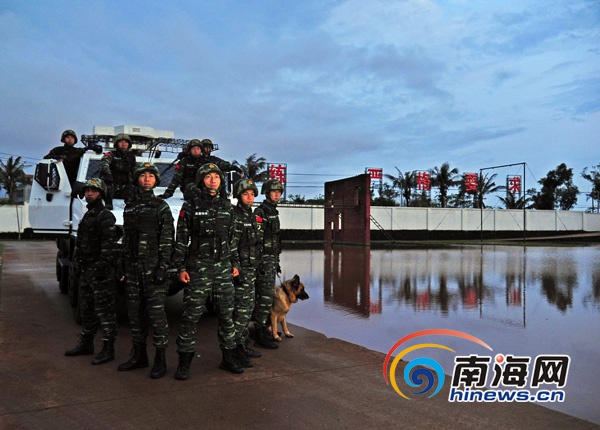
(328, 87)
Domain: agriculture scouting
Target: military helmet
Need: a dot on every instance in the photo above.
(271, 185)
(120, 137)
(147, 167)
(96, 184)
(207, 143)
(68, 133)
(192, 143)
(204, 170)
(244, 184)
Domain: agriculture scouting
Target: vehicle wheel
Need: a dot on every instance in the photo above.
(58, 267)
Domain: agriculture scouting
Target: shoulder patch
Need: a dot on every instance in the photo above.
(177, 167)
(259, 219)
(108, 154)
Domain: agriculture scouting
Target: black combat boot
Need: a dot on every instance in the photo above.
(85, 346)
(241, 357)
(107, 354)
(229, 362)
(160, 364)
(183, 369)
(251, 353)
(264, 339)
(138, 359)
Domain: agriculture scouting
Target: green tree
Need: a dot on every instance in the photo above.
(558, 190)
(512, 202)
(387, 196)
(593, 176)
(11, 174)
(444, 177)
(405, 182)
(485, 186)
(254, 168)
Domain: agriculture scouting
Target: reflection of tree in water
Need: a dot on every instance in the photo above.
(558, 280)
(594, 297)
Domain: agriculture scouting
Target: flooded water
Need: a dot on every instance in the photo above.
(521, 301)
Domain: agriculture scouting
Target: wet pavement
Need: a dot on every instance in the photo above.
(311, 381)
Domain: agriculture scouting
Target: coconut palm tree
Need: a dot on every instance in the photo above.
(512, 202)
(444, 177)
(11, 174)
(254, 168)
(485, 186)
(405, 182)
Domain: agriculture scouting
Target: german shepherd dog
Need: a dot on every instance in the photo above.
(288, 292)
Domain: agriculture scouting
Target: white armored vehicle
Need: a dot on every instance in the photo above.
(55, 206)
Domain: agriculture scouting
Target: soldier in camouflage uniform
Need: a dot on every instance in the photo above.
(117, 168)
(268, 218)
(186, 168)
(204, 255)
(225, 166)
(148, 244)
(68, 154)
(96, 247)
(249, 241)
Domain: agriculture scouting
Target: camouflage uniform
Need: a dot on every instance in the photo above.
(249, 239)
(96, 248)
(70, 155)
(148, 244)
(268, 218)
(206, 250)
(185, 170)
(117, 168)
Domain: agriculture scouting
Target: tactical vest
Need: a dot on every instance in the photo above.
(140, 225)
(89, 241)
(271, 230)
(122, 167)
(209, 233)
(190, 167)
(249, 245)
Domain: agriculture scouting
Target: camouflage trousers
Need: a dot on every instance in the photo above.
(146, 303)
(207, 277)
(97, 306)
(244, 304)
(265, 290)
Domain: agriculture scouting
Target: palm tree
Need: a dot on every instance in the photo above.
(444, 178)
(511, 202)
(405, 182)
(485, 186)
(11, 173)
(254, 168)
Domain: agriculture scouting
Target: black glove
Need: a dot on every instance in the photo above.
(239, 279)
(278, 269)
(108, 180)
(160, 275)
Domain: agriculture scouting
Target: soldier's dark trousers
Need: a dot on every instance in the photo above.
(244, 305)
(265, 290)
(146, 303)
(97, 307)
(204, 277)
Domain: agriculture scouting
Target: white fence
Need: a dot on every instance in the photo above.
(297, 217)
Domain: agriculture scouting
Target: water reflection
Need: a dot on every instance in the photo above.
(522, 300)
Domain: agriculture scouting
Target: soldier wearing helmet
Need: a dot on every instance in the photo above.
(186, 168)
(268, 218)
(68, 154)
(96, 248)
(207, 148)
(117, 168)
(147, 246)
(249, 241)
(205, 257)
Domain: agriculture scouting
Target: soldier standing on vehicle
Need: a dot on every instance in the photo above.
(268, 218)
(147, 246)
(117, 168)
(225, 166)
(249, 241)
(96, 247)
(186, 169)
(68, 154)
(204, 255)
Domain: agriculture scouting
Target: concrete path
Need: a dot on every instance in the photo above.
(310, 382)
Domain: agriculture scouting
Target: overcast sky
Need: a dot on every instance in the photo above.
(328, 87)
